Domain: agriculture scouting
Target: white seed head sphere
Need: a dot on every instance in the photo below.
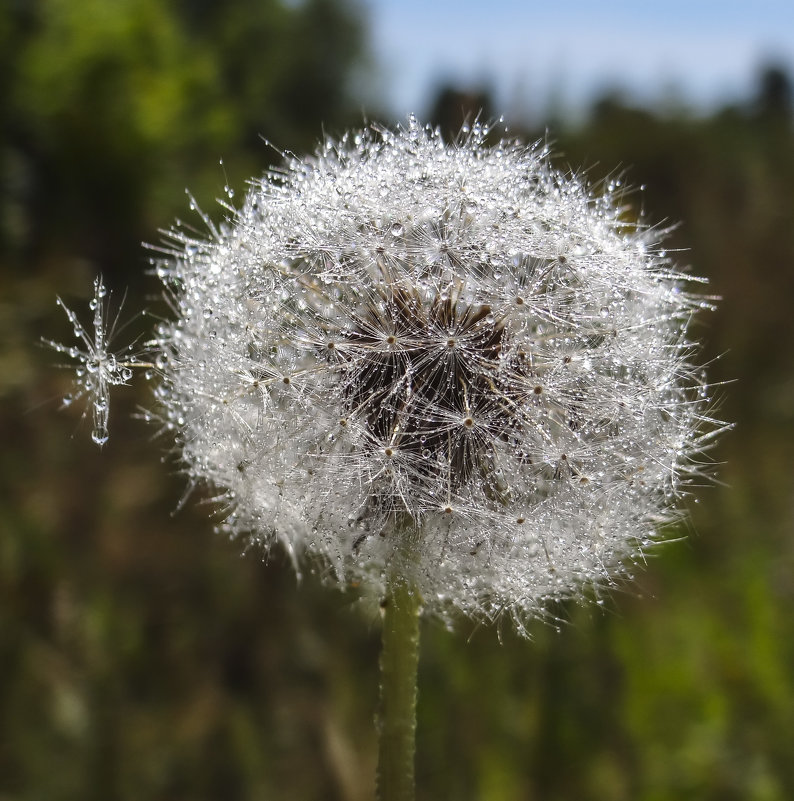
(447, 360)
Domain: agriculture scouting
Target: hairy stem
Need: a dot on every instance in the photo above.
(397, 712)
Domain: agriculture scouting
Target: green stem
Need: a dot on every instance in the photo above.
(397, 713)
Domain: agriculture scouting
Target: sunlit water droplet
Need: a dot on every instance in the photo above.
(100, 435)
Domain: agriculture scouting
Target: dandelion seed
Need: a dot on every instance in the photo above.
(98, 368)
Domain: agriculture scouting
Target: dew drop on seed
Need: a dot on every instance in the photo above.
(100, 435)
(397, 229)
(604, 312)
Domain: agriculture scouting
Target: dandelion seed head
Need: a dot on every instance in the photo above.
(401, 346)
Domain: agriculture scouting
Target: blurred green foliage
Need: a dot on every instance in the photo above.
(141, 657)
(110, 110)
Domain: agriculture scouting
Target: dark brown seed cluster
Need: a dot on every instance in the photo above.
(425, 378)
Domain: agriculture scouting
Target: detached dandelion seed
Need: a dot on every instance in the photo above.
(98, 368)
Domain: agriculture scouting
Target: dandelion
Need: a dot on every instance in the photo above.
(450, 357)
(449, 373)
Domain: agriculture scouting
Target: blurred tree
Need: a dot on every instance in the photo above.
(454, 106)
(110, 110)
(773, 103)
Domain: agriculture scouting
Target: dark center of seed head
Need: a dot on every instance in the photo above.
(405, 398)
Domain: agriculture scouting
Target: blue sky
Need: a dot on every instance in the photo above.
(528, 52)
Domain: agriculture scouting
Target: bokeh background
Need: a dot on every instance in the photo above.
(142, 657)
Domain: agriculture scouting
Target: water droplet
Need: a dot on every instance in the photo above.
(604, 312)
(397, 229)
(100, 435)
